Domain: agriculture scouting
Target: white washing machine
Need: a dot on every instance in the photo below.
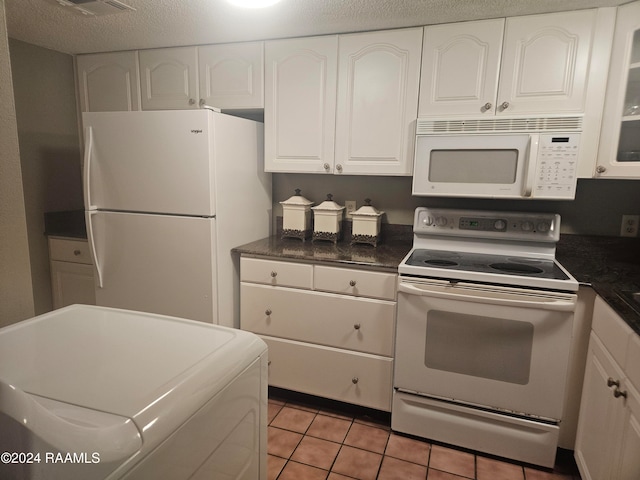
(100, 393)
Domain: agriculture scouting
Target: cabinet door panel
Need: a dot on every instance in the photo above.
(377, 102)
(231, 76)
(108, 82)
(169, 78)
(300, 99)
(72, 283)
(331, 373)
(460, 64)
(600, 411)
(630, 461)
(545, 63)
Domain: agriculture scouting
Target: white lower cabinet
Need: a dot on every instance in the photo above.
(71, 272)
(333, 345)
(608, 438)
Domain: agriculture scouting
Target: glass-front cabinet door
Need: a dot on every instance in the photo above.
(619, 152)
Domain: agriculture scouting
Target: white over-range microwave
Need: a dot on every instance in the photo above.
(526, 158)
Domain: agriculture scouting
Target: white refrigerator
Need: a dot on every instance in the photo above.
(168, 194)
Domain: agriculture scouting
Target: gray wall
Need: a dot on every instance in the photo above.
(44, 91)
(16, 293)
(596, 210)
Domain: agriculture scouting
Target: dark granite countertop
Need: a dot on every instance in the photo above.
(65, 224)
(611, 265)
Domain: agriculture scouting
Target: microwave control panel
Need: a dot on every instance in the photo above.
(556, 165)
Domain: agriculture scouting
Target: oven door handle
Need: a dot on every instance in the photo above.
(566, 304)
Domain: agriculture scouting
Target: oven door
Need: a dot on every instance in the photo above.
(474, 165)
(502, 348)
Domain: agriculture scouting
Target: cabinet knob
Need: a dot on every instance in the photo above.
(268, 312)
(192, 101)
(355, 380)
(201, 103)
(268, 363)
(77, 252)
(487, 106)
(601, 169)
(504, 105)
(352, 283)
(274, 274)
(327, 166)
(339, 167)
(356, 326)
(619, 393)
(613, 383)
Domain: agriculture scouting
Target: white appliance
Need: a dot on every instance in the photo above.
(168, 194)
(100, 393)
(484, 328)
(504, 158)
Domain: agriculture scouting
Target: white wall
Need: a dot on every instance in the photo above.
(47, 120)
(597, 209)
(16, 294)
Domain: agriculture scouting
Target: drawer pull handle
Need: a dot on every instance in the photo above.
(77, 252)
(619, 393)
(352, 283)
(268, 312)
(274, 274)
(613, 383)
(355, 380)
(356, 326)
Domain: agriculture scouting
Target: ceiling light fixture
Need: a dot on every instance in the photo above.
(253, 3)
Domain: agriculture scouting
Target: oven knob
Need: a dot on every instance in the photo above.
(441, 221)
(500, 225)
(543, 227)
(427, 221)
(527, 226)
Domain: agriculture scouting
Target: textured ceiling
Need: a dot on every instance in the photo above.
(162, 23)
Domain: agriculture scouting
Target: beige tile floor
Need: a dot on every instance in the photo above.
(309, 440)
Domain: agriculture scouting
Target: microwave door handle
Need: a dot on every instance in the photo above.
(530, 165)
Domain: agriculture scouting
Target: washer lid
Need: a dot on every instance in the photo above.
(156, 370)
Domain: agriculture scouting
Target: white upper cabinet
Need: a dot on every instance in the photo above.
(545, 63)
(460, 65)
(379, 75)
(541, 66)
(232, 75)
(169, 78)
(108, 82)
(300, 104)
(619, 153)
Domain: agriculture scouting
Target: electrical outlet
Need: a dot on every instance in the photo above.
(350, 207)
(629, 227)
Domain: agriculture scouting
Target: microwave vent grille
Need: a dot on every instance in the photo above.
(500, 125)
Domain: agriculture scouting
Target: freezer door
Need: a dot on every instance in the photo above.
(156, 161)
(155, 263)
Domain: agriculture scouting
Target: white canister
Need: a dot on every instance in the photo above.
(327, 220)
(366, 224)
(296, 216)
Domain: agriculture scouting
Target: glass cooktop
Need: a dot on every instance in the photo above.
(486, 263)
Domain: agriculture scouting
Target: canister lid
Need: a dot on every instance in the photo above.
(297, 199)
(367, 210)
(328, 205)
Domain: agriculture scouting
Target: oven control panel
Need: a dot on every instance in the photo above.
(538, 227)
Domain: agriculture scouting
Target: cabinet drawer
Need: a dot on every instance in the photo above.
(331, 373)
(361, 324)
(68, 250)
(271, 272)
(355, 282)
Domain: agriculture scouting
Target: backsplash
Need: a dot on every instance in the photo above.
(596, 210)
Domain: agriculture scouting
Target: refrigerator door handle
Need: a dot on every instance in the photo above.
(88, 147)
(92, 246)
